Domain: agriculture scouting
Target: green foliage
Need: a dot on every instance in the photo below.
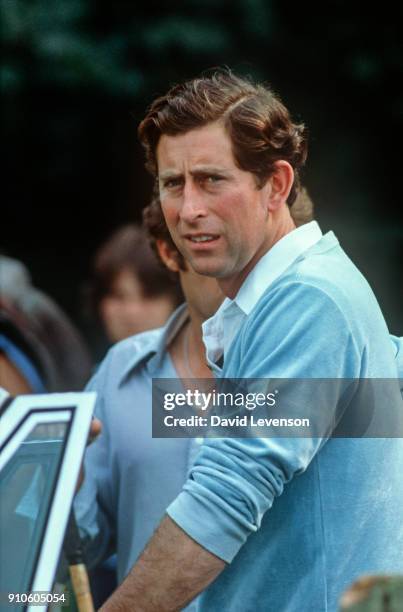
(126, 48)
(111, 46)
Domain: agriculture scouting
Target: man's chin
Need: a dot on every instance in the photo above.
(205, 268)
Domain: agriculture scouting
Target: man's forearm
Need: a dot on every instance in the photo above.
(171, 571)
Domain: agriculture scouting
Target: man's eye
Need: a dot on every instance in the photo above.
(213, 178)
(172, 183)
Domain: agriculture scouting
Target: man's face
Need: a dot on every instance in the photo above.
(216, 215)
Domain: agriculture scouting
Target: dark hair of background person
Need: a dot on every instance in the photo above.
(259, 125)
(156, 228)
(128, 247)
(302, 211)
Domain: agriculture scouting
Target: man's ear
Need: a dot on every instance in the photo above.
(281, 182)
(168, 255)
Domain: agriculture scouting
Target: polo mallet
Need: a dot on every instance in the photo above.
(73, 550)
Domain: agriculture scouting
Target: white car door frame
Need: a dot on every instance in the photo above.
(19, 417)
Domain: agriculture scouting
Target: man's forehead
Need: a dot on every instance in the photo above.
(207, 146)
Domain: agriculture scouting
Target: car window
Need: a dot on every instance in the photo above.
(42, 441)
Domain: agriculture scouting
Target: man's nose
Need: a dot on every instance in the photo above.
(193, 204)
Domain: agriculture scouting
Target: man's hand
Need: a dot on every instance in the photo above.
(171, 571)
(95, 430)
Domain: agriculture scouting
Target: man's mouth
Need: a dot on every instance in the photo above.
(196, 238)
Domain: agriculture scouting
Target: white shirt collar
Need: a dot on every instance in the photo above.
(274, 263)
(221, 328)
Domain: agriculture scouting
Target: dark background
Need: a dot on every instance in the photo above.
(76, 79)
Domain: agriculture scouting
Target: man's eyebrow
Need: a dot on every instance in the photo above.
(202, 169)
(169, 174)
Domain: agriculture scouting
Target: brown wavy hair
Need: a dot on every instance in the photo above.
(259, 125)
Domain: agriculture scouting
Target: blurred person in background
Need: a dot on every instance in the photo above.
(130, 478)
(130, 292)
(40, 348)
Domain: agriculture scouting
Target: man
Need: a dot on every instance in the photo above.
(130, 477)
(291, 521)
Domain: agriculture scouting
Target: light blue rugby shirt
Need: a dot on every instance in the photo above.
(299, 520)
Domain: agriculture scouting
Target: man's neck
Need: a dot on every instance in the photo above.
(283, 226)
(187, 348)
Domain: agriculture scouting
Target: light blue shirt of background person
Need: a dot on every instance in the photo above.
(130, 478)
(298, 519)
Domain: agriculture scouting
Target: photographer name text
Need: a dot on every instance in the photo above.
(237, 421)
